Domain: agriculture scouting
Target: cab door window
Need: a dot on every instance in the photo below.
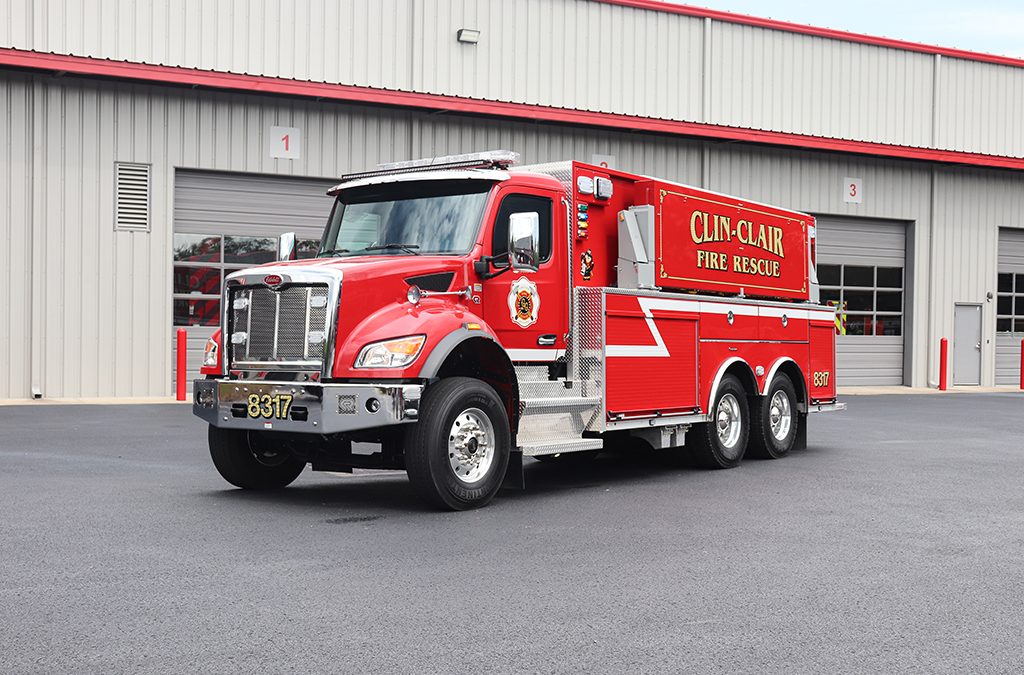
(522, 204)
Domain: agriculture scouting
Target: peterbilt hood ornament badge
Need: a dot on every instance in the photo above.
(273, 280)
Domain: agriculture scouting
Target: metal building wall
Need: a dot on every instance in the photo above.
(978, 106)
(781, 81)
(575, 54)
(16, 168)
(970, 207)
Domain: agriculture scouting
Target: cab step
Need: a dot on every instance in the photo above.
(577, 445)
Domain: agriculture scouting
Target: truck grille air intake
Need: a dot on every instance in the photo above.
(287, 327)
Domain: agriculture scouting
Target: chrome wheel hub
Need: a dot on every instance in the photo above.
(780, 415)
(728, 421)
(471, 445)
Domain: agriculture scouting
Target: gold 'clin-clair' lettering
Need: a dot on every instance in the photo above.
(709, 227)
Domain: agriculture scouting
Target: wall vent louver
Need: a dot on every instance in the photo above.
(131, 197)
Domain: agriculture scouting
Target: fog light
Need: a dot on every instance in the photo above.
(372, 405)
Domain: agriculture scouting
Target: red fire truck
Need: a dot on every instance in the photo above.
(464, 313)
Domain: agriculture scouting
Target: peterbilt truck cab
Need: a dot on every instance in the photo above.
(456, 317)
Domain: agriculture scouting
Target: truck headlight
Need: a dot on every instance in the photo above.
(210, 353)
(396, 353)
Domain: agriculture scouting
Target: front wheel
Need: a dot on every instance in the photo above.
(457, 453)
(721, 442)
(246, 462)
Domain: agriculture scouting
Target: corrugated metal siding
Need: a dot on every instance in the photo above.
(971, 206)
(16, 167)
(765, 79)
(564, 53)
(342, 41)
(979, 107)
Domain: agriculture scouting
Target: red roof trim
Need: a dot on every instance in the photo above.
(790, 27)
(353, 94)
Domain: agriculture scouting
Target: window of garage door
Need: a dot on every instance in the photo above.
(229, 221)
(861, 268)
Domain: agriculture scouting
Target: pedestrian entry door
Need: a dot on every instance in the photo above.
(967, 344)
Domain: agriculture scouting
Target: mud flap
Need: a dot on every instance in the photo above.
(514, 478)
(800, 443)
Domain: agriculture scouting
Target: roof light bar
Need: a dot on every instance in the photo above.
(490, 159)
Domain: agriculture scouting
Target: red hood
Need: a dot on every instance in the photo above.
(373, 304)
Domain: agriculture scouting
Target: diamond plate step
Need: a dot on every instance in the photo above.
(576, 445)
(567, 402)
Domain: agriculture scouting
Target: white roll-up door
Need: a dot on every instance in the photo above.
(1009, 306)
(862, 267)
(228, 221)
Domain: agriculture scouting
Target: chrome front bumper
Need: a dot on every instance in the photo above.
(304, 407)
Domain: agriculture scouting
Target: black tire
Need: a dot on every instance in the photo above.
(764, 443)
(709, 449)
(451, 404)
(246, 463)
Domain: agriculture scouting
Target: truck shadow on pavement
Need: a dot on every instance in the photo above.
(389, 492)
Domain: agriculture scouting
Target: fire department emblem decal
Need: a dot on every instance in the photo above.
(523, 302)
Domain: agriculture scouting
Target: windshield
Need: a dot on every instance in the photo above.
(441, 216)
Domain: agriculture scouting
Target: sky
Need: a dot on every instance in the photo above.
(990, 26)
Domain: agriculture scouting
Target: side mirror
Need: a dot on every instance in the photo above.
(286, 247)
(524, 241)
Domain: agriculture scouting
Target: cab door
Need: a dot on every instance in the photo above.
(529, 310)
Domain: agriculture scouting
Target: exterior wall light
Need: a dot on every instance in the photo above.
(468, 35)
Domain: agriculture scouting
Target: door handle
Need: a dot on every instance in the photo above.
(546, 340)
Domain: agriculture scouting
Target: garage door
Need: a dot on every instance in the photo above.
(228, 221)
(1009, 306)
(861, 267)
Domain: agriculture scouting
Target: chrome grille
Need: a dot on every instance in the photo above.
(274, 326)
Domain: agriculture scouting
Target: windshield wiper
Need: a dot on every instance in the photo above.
(333, 253)
(408, 248)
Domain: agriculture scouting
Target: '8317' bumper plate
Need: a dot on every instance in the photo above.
(304, 407)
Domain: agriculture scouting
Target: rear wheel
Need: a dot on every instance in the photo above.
(721, 442)
(247, 461)
(457, 453)
(775, 420)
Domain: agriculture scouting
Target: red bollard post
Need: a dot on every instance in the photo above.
(182, 362)
(943, 369)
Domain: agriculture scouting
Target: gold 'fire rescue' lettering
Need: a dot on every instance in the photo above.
(756, 266)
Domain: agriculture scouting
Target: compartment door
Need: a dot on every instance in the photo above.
(650, 356)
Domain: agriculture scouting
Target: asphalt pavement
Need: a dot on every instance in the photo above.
(895, 542)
